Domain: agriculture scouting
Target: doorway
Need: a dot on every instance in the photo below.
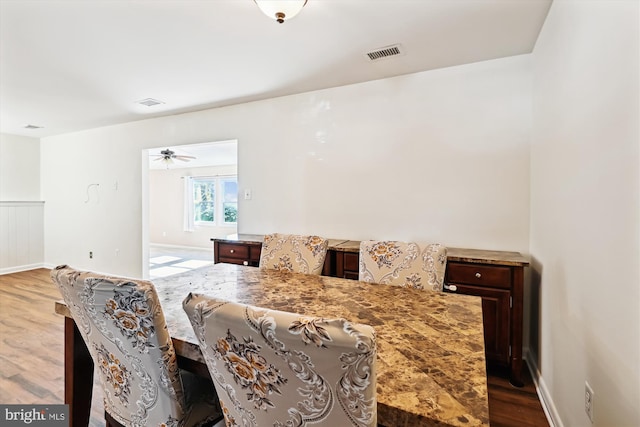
(168, 224)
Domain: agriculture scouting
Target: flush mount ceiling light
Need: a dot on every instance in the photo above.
(281, 10)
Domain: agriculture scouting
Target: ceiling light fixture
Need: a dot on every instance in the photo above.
(280, 10)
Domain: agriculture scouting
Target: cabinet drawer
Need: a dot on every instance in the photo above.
(351, 262)
(226, 250)
(233, 261)
(485, 275)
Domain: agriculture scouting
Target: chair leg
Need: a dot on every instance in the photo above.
(110, 422)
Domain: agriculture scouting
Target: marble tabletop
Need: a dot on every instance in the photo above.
(431, 361)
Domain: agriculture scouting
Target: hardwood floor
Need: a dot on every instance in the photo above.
(32, 358)
(511, 406)
(32, 351)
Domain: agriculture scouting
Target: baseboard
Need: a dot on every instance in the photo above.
(550, 410)
(162, 245)
(19, 268)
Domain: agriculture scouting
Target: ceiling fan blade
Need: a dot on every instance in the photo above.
(184, 158)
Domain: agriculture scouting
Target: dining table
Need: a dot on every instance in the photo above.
(430, 345)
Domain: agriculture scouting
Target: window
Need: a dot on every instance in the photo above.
(230, 199)
(204, 199)
(215, 200)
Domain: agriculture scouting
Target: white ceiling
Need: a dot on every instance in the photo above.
(69, 65)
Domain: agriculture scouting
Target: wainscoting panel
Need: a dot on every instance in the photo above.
(21, 236)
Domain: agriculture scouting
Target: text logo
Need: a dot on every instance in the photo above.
(34, 415)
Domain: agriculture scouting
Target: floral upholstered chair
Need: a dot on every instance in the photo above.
(124, 328)
(403, 264)
(293, 253)
(272, 368)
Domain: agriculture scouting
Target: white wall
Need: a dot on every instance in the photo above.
(21, 236)
(19, 168)
(440, 155)
(585, 211)
(21, 211)
(166, 208)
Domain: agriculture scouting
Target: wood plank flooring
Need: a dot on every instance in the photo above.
(32, 350)
(32, 357)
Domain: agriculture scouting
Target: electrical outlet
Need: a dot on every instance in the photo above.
(90, 254)
(588, 400)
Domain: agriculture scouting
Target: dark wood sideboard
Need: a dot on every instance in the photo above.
(495, 276)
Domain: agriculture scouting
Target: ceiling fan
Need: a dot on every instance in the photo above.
(167, 156)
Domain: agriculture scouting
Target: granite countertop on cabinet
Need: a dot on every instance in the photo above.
(258, 238)
(484, 256)
(240, 238)
(348, 246)
(481, 256)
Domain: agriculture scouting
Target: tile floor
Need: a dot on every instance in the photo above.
(165, 261)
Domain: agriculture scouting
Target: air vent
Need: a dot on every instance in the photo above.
(150, 102)
(385, 52)
(33, 127)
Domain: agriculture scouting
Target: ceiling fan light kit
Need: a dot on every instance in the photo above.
(167, 156)
(281, 10)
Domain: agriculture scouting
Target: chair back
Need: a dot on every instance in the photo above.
(406, 264)
(124, 328)
(272, 368)
(293, 253)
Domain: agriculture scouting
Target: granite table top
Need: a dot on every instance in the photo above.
(431, 361)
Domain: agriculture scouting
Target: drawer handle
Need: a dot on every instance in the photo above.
(245, 262)
(451, 288)
(231, 251)
(478, 275)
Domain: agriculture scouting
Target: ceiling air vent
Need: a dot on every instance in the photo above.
(385, 52)
(150, 102)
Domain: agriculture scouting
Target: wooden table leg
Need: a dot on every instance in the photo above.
(78, 375)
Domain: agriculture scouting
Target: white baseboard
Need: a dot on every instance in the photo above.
(550, 410)
(19, 268)
(162, 245)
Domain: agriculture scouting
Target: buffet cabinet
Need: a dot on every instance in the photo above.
(247, 252)
(498, 278)
(241, 252)
(495, 276)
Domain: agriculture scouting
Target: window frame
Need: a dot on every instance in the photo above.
(218, 200)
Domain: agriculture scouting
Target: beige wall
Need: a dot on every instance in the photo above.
(441, 155)
(21, 211)
(19, 168)
(166, 189)
(585, 211)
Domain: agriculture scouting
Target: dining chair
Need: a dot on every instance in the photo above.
(293, 253)
(407, 264)
(123, 326)
(273, 368)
